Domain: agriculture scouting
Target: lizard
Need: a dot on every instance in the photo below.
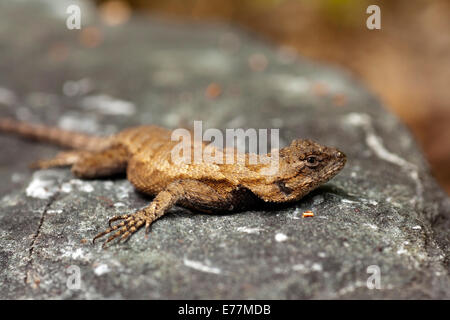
(144, 154)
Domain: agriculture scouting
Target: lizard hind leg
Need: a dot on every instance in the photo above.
(101, 164)
(62, 159)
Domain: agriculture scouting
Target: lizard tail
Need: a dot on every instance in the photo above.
(63, 138)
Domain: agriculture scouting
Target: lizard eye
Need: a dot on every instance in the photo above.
(312, 161)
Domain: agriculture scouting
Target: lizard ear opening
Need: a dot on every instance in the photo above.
(283, 188)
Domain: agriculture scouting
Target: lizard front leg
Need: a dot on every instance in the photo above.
(189, 193)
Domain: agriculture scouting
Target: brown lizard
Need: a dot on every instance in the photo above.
(144, 153)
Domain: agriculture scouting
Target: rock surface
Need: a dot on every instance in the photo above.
(383, 210)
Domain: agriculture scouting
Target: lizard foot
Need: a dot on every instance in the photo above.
(130, 224)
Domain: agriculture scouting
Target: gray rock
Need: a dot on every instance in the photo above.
(383, 210)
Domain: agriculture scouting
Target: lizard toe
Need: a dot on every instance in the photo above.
(107, 231)
(119, 217)
(124, 229)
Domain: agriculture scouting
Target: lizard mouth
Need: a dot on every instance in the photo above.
(335, 167)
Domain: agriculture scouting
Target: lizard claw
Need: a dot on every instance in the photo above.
(109, 230)
(115, 218)
(147, 227)
(129, 225)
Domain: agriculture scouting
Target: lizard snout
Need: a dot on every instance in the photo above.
(339, 154)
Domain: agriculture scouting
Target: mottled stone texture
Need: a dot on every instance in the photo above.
(384, 208)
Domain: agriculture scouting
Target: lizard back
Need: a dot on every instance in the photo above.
(151, 166)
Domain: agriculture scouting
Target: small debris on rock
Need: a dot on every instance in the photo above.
(213, 91)
(308, 214)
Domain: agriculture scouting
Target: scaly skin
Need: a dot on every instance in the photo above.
(145, 154)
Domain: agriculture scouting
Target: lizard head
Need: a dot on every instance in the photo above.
(303, 166)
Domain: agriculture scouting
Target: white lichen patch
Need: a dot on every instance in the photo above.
(123, 190)
(86, 187)
(348, 201)
(316, 267)
(119, 205)
(108, 105)
(293, 85)
(360, 200)
(371, 226)
(297, 214)
(201, 266)
(108, 185)
(77, 122)
(17, 177)
(7, 97)
(299, 267)
(43, 185)
(77, 254)
(56, 211)
(79, 87)
(375, 143)
(249, 230)
(101, 269)
(308, 266)
(280, 237)
(79, 185)
(66, 187)
(402, 250)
